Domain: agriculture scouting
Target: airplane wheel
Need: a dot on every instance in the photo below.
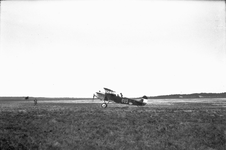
(104, 105)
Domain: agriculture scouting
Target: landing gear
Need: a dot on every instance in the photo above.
(104, 105)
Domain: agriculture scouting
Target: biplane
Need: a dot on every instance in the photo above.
(110, 96)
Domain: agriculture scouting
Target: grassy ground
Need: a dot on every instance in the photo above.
(192, 126)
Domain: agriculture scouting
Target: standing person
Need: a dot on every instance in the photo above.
(35, 101)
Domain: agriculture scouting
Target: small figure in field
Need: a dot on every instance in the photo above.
(35, 101)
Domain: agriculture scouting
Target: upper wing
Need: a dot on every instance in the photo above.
(108, 90)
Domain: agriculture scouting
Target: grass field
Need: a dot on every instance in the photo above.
(160, 125)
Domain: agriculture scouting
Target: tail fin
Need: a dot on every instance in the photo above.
(144, 99)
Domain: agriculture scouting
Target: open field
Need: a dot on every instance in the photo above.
(163, 124)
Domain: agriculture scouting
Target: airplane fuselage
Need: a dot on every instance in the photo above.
(110, 96)
(123, 100)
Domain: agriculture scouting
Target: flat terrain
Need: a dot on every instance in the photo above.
(163, 124)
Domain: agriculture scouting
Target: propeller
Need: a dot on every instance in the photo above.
(94, 96)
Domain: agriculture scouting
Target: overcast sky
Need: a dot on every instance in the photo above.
(74, 48)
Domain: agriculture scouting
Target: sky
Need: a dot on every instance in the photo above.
(137, 47)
